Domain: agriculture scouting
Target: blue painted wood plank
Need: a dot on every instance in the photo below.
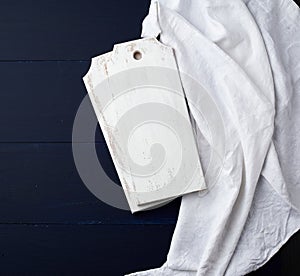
(67, 30)
(40, 184)
(39, 100)
(82, 250)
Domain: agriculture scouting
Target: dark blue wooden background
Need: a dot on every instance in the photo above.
(50, 224)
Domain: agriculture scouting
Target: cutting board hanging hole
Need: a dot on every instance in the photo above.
(137, 55)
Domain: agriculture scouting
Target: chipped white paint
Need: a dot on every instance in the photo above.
(137, 96)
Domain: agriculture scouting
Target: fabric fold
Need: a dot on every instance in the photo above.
(240, 53)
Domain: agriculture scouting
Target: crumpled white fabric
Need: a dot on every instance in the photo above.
(246, 53)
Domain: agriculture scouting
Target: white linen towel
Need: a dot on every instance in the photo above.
(247, 56)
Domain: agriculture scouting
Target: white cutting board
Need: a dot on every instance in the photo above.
(139, 102)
